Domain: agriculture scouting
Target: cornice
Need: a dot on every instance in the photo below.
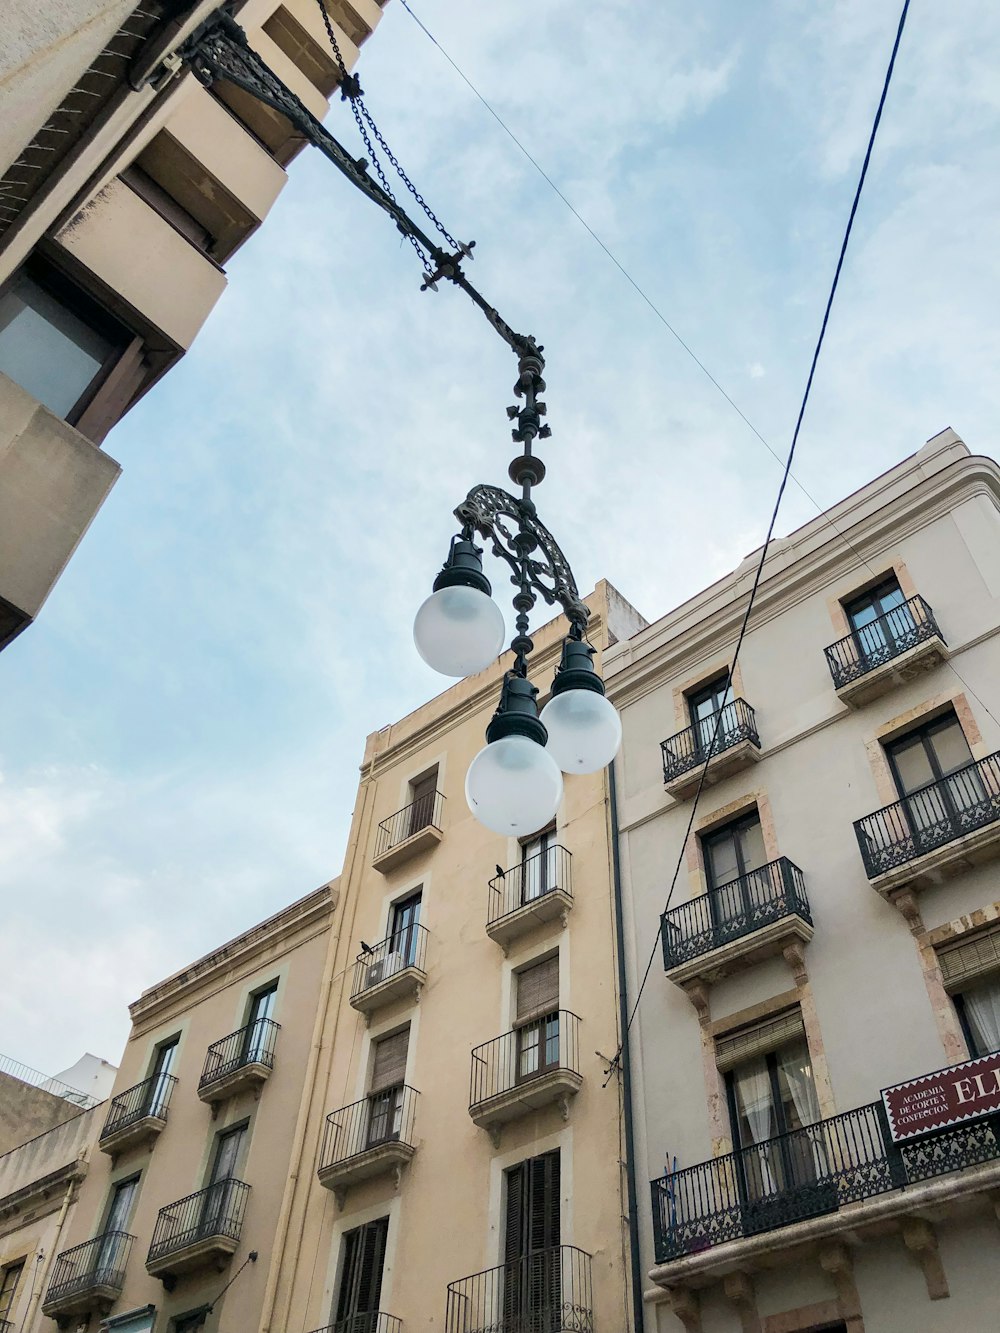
(42, 1189)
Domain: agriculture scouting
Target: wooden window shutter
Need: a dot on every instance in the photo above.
(389, 1065)
(968, 959)
(538, 989)
(543, 1220)
(372, 1258)
(514, 1231)
(747, 1043)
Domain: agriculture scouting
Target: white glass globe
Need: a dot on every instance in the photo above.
(458, 631)
(514, 786)
(584, 729)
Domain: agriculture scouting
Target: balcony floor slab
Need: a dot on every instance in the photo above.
(380, 1160)
(722, 765)
(922, 657)
(84, 1300)
(557, 1085)
(248, 1077)
(941, 864)
(404, 984)
(133, 1135)
(201, 1253)
(424, 840)
(736, 954)
(550, 906)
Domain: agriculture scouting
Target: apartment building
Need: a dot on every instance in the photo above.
(125, 187)
(815, 1053)
(179, 1212)
(462, 1166)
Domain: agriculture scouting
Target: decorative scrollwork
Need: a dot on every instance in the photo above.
(492, 511)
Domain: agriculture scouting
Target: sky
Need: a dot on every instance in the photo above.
(181, 729)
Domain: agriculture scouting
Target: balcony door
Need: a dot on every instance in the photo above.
(934, 777)
(531, 1275)
(404, 936)
(385, 1100)
(9, 1278)
(110, 1257)
(258, 1041)
(361, 1278)
(881, 622)
(538, 866)
(215, 1216)
(733, 854)
(537, 1021)
(158, 1091)
(422, 793)
(704, 707)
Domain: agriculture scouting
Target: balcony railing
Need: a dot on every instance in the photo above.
(150, 1098)
(251, 1045)
(376, 1322)
(99, 1262)
(425, 812)
(929, 818)
(733, 910)
(380, 1118)
(549, 1291)
(803, 1174)
(528, 881)
(406, 947)
(711, 736)
(215, 1211)
(513, 1060)
(881, 640)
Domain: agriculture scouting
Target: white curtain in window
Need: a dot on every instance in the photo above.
(796, 1067)
(753, 1098)
(982, 1008)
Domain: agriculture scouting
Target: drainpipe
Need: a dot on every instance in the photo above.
(626, 1066)
(42, 1278)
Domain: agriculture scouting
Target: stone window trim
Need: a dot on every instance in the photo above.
(716, 819)
(926, 711)
(722, 666)
(892, 567)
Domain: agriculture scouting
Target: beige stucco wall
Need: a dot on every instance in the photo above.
(26, 1112)
(876, 1012)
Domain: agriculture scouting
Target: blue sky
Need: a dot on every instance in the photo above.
(182, 727)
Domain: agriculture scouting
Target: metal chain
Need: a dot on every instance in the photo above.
(352, 92)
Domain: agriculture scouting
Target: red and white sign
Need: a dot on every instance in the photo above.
(948, 1097)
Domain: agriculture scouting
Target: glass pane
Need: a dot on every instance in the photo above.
(795, 1081)
(723, 864)
(951, 749)
(890, 597)
(528, 1042)
(913, 766)
(46, 348)
(861, 616)
(752, 853)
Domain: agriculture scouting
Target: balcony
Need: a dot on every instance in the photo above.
(549, 1290)
(935, 832)
(375, 1322)
(729, 736)
(536, 1065)
(239, 1062)
(138, 1114)
(369, 1138)
(531, 893)
(822, 1169)
(893, 648)
(749, 919)
(89, 1277)
(414, 829)
(197, 1232)
(394, 969)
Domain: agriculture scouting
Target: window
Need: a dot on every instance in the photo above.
(879, 620)
(9, 1278)
(978, 1008)
(537, 1021)
(361, 1275)
(704, 707)
(135, 1323)
(110, 1260)
(932, 770)
(531, 1288)
(189, 1322)
(733, 854)
(970, 970)
(385, 1100)
(219, 1198)
(159, 1076)
(404, 937)
(422, 795)
(539, 866)
(61, 346)
(258, 1027)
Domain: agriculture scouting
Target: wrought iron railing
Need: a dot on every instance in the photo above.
(6, 1326)
(546, 1043)
(733, 910)
(939, 813)
(803, 1174)
(151, 1097)
(381, 1117)
(251, 1045)
(549, 1291)
(710, 736)
(406, 947)
(215, 1211)
(99, 1262)
(425, 811)
(881, 640)
(375, 1322)
(530, 880)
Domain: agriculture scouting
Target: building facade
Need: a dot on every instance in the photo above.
(125, 187)
(835, 928)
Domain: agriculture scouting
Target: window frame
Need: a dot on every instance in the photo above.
(17, 1267)
(922, 731)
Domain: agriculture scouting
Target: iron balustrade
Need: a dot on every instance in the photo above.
(250, 1045)
(99, 1262)
(550, 1041)
(375, 1322)
(960, 803)
(733, 724)
(733, 910)
(882, 639)
(151, 1097)
(381, 1117)
(406, 947)
(805, 1173)
(530, 880)
(549, 1291)
(214, 1211)
(25, 1074)
(422, 813)
(6, 1326)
